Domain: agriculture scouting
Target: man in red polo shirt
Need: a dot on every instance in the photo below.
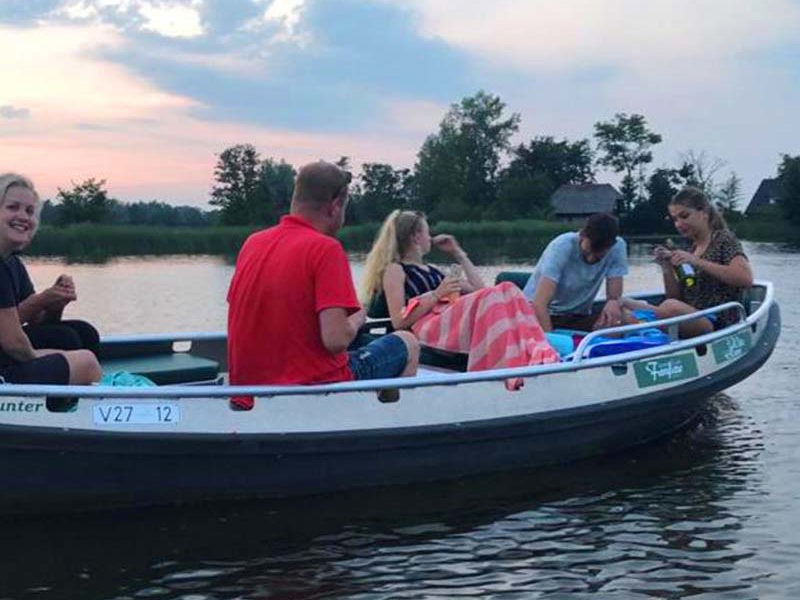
(293, 309)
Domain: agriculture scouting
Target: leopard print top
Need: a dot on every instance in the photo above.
(709, 291)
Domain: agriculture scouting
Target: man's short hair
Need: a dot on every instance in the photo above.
(601, 229)
(320, 182)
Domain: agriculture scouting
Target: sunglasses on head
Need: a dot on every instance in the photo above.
(348, 177)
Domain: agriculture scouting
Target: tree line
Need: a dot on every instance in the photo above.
(89, 202)
(466, 171)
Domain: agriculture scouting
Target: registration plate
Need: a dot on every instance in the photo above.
(136, 413)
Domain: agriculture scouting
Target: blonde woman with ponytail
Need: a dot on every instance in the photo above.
(721, 266)
(396, 260)
(455, 312)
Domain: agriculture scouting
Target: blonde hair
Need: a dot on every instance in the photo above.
(391, 243)
(10, 180)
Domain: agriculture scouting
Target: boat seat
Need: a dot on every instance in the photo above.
(377, 309)
(518, 278)
(166, 368)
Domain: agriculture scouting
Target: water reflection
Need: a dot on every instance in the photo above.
(664, 521)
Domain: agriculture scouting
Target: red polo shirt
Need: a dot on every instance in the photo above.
(285, 276)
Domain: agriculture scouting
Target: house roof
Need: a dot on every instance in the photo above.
(766, 194)
(585, 198)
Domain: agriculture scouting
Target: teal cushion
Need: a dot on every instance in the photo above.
(166, 369)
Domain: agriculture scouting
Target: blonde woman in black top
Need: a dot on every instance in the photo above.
(19, 361)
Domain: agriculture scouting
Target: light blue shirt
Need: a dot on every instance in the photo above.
(577, 282)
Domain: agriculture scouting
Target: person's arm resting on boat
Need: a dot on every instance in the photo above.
(338, 329)
(13, 340)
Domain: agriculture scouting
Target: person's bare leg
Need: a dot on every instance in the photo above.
(83, 367)
(673, 308)
(633, 304)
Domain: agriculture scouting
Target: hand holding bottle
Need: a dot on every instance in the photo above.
(684, 264)
(663, 256)
(449, 289)
(456, 272)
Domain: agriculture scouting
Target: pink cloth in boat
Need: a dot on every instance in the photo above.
(495, 325)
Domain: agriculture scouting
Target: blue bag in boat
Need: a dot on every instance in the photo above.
(126, 379)
(640, 340)
(561, 342)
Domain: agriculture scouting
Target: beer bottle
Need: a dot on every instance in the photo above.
(685, 273)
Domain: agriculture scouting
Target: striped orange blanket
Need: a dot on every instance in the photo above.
(496, 326)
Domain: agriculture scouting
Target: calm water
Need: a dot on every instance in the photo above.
(711, 513)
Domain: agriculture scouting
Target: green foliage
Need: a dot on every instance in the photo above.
(650, 216)
(562, 162)
(86, 202)
(237, 191)
(458, 177)
(489, 241)
(93, 243)
(535, 172)
(789, 177)
(276, 185)
(249, 191)
(625, 145)
(138, 213)
(727, 197)
(380, 190)
(485, 240)
(768, 226)
(456, 171)
(522, 196)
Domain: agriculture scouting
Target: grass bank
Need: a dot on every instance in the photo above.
(96, 243)
(768, 230)
(485, 241)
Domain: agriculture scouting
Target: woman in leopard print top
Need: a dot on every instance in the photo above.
(722, 268)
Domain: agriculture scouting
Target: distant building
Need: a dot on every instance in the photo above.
(575, 202)
(766, 195)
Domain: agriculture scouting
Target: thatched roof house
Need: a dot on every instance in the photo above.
(573, 202)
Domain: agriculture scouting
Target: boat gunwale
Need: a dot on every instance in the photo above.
(433, 380)
(729, 374)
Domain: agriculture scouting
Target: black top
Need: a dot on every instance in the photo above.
(421, 279)
(418, 281)
(15, 283)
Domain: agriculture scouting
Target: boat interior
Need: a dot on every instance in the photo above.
(201, 358)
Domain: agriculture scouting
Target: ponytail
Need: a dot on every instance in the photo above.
(390, 245)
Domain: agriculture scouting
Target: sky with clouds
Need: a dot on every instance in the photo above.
(146, 93)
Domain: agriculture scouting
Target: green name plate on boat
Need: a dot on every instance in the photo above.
(665, 369)
(732, 347)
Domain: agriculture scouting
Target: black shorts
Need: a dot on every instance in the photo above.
(50, 369)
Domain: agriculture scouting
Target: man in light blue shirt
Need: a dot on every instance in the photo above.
(569, 273)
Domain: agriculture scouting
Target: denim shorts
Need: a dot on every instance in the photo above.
(380, 359)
